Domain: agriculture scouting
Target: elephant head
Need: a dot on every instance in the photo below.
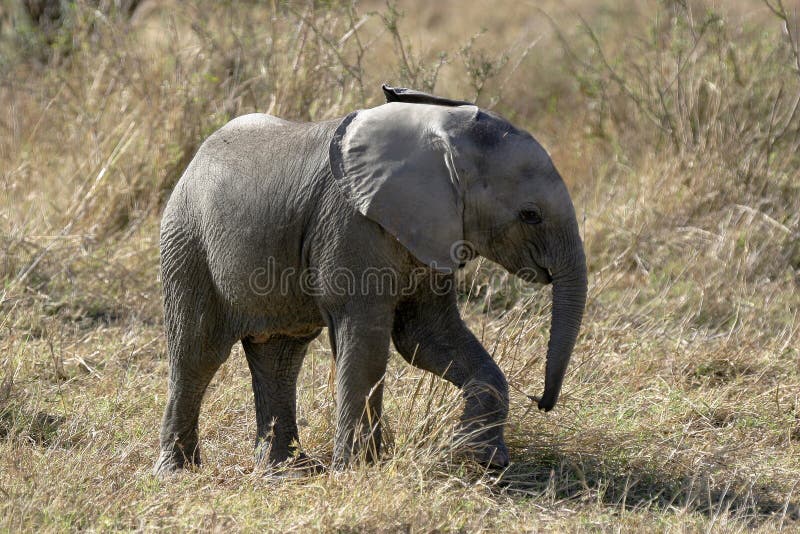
(437, 173)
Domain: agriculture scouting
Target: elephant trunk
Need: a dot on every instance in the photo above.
(569, 300)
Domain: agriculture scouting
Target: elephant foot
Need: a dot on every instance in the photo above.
(491, 457)
(494, 457)
(491, 453)
(300, 466)
(171, 463)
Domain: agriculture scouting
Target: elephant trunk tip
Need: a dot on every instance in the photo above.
(544, 403)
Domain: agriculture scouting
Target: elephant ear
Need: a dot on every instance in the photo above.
(395, 165)
(402, 94)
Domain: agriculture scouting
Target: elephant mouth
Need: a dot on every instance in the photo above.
(536, 275)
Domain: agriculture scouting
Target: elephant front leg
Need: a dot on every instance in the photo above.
(361, 351)
(429, 333)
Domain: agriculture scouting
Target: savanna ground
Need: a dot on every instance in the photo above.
(675, 124)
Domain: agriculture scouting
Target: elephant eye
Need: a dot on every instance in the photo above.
(530, 217)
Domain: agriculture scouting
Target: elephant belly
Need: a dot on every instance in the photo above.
(297, 331)
(272, 310)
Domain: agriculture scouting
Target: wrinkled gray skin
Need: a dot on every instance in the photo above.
(392, 188)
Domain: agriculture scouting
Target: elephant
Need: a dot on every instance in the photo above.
(397, 198)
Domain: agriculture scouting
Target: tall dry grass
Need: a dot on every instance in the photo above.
(676, 126)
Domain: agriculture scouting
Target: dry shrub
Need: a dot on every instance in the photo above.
(129, 117)
(707, 92)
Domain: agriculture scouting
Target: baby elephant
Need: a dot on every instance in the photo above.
(278, 229)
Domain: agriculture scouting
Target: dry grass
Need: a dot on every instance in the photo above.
(677, 129)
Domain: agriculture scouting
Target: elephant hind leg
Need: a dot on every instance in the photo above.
(197, 346)
(179, 429)
(274, 366)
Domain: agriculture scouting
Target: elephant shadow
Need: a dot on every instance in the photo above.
(544, 475)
